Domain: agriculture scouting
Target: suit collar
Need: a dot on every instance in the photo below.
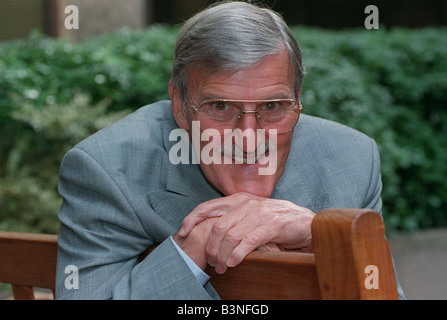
(295, 182)
(181, 176)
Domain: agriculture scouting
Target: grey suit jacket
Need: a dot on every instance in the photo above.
(121, 195)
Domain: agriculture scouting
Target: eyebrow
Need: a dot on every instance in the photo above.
(273, 97)
(279, 96)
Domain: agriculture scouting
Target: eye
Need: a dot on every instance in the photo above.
(219, 105)
(271, 106)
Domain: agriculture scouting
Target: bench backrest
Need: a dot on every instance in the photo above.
(351, 260)
(27, 260)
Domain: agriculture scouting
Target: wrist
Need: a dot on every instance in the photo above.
(194, 255)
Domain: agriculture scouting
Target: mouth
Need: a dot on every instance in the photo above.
(249, 158)
(239, 156)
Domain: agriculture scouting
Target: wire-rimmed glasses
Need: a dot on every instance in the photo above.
(225, 114)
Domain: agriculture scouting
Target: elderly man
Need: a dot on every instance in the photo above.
(236, 67)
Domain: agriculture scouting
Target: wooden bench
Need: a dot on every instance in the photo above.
(351, 258)
(28, 260)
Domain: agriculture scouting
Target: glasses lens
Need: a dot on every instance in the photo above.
(218, 115)
(220, 111)
(280, 115)
(272, 111)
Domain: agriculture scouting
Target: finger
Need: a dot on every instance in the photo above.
(212, 208)
(203, 211)
(240, 227)
(270, 247)
(230, 241)
(223, 229)
(253, 240)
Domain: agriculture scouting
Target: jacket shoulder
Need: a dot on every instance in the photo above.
(325, 126)
(131, 148)
(142, 128)
(335, 165)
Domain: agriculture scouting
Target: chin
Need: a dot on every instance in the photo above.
(257, 192)
(233, 178)
(260, 186)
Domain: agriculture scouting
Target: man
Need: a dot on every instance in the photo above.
(237, 67)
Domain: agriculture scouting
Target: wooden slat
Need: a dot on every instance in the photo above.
(28, 259)
(269, 275)
(265, 275)
(23, 292)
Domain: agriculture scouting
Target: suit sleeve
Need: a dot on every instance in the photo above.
(102, 236)
(373, 199)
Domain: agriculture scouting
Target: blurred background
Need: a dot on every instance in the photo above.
(59, 85)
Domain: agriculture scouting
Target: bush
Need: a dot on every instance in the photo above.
(389, 84)
(130, 68)
(28, 180)
(392, 85)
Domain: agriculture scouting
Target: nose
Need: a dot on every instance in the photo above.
(248, 120)
(248, 124)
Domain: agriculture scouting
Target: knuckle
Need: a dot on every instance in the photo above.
(277, 220)
(252, 239)
(242, 194)
(273, 221)
(200, 207)
(219, 227)
(233, 236)
(251, 202)
(245, 196)
(210, 252)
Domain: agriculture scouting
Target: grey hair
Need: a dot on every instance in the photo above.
(232, 36)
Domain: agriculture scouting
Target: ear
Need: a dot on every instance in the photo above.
(178, 111)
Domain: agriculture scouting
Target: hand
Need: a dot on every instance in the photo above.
(243, 222)
(194, 243)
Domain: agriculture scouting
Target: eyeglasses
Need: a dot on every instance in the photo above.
(220, 114)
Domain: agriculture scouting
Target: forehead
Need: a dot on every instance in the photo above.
(271, 78)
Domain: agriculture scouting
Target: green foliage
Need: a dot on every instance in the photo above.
(389, 84)
(130, 68)
(37, 139)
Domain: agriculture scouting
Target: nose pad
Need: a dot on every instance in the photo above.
(248, 125)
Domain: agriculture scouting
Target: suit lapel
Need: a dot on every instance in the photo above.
(300, 182)
(186, 187)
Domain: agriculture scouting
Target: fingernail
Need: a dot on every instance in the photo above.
(182, 231)
(220, 269)
(230, 263)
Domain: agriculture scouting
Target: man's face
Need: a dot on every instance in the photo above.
(272, 78)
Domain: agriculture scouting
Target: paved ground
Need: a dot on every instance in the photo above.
(421, 263)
